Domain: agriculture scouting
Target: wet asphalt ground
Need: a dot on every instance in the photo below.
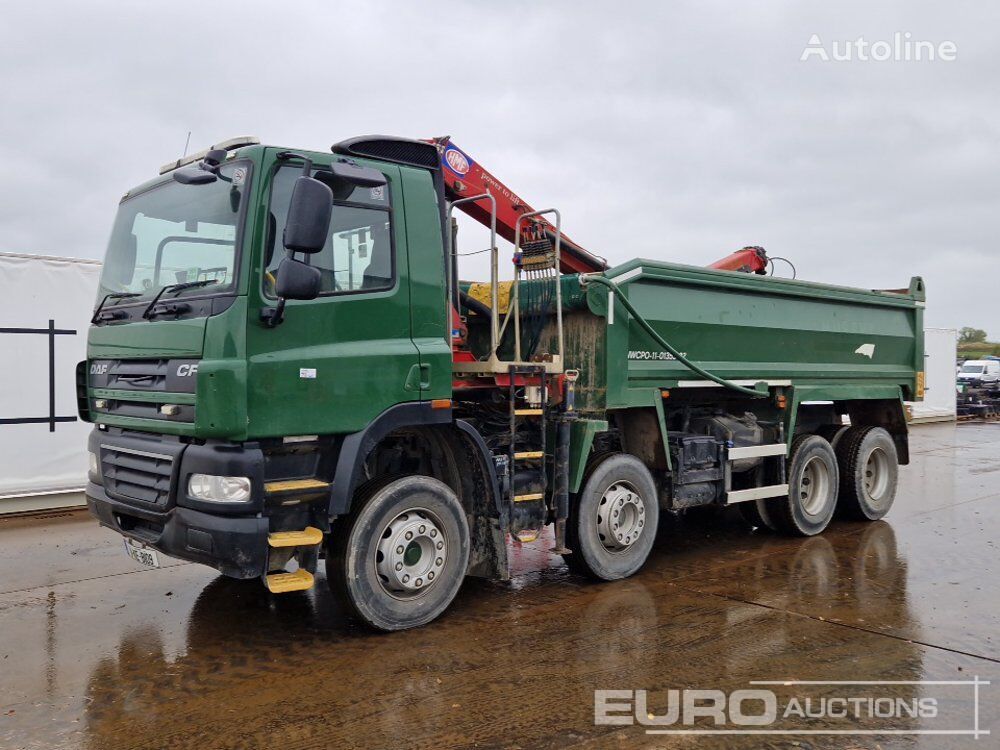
(96, 652)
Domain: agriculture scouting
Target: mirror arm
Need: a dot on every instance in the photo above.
(307, 164)
(273, 316)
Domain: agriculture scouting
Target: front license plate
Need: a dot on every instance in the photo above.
(142, 555)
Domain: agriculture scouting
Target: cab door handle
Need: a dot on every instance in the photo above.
(418, 378)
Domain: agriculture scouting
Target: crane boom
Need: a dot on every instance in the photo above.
(465, 177)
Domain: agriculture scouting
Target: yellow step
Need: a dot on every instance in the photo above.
(527, 412)
(280, 583)
(295, 485)
(528, 498)
(309, 536)
(527, 455)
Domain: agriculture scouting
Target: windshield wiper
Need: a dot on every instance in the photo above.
(174, 289)
(97, 318)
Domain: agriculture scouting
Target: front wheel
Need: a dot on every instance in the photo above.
(612, 524)
(400, 557)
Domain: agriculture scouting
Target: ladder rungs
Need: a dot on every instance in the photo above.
(528, 455)
(527, 412)
(310, 536)
(280, 583)
(529, 498)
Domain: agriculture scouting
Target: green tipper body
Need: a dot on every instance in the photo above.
(827, 342)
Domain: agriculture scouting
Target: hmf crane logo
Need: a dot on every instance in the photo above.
(458, 161)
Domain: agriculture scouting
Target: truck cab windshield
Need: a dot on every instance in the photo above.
(176, 234)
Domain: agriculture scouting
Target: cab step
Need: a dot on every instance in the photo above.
(310, 536)
(528, 412)
(528, 455)
(296, 486)
(281, 583)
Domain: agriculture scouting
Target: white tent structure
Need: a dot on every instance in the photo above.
(940, 355)
(44, 316)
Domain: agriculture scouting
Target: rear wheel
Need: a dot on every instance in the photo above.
(869, 473)
(612, 524)
(812, 488)
(400, 557)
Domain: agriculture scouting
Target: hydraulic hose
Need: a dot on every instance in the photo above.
(612, 286)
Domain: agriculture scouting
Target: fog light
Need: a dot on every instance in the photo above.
(93, 463)
(100, 403)
(170, 410)
(219, 489)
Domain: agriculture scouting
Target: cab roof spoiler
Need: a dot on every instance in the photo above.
(229, 145)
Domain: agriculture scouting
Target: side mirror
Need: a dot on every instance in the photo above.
(356, 175)
(296, 280)
(307, 224)
(309, 214)
(194, 176)
(204, 172)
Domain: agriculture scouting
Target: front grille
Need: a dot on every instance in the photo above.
(146, 410)
(159, 378)
(169, 375)
(131, 474)
(140, 374)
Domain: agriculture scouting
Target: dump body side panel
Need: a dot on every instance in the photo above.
(750, 328)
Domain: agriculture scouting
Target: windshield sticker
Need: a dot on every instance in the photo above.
(239, 176)
(378, 193)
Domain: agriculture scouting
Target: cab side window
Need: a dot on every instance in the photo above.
(358, 255)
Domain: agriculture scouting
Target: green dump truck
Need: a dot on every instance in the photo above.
(285, 367)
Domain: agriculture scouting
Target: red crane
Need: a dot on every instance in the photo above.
(465, 177)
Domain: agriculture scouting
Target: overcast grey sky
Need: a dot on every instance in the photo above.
(671, 130)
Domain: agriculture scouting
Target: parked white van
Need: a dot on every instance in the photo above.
(980, 372)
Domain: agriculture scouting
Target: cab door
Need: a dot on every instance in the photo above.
(337, 361)
(429, 319)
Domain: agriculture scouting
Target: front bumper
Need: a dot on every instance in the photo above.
(235, 546)
(142, 494)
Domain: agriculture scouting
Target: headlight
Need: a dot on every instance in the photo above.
(219, 489)
(94, 466)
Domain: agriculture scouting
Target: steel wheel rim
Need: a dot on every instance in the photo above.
(621, 517)
(411, 552)
(814, 486)
(876, 474)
